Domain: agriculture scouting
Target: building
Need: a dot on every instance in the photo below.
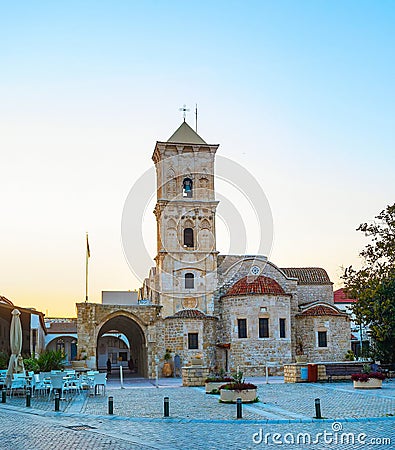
(231, 310)
(359, 332)
(33, 328)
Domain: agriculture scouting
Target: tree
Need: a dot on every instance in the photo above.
(374, 284)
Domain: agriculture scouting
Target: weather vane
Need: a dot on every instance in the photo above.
(184, 110)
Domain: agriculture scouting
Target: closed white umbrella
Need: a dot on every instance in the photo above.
(15, 364)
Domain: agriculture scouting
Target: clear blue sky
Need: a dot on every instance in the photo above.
(301, 93)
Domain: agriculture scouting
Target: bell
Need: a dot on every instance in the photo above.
(187, 188)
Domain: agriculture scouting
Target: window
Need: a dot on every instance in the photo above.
(242, 328)
(187, 188)
(263, 327)
(188, 237)
(189, 281)
(322, 339)
(282, 328)
(193, 341)
(123, 356)
(60, 345)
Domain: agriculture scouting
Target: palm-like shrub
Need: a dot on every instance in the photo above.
(51, 360)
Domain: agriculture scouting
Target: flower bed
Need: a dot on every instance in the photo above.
(372, 380)
(230, 392)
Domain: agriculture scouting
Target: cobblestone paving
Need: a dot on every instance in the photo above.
(186, 403)
(278, 401)
(337, 399)
(39, 402)
(48, 431)
(199, 421)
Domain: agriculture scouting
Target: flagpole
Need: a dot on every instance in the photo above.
(86, 268)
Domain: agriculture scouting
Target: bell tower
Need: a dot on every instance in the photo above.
(186, 260)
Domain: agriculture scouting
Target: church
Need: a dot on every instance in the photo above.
(232, 311)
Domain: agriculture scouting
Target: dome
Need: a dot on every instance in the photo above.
(255, 286)
(189, 314)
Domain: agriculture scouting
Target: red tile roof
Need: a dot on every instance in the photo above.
(255, 286)
(189, 314)
(339, 296)
(308, 275)
(321, 310)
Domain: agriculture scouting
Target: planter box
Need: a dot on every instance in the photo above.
(211, 385)
(372, 383)
(230, 396)
(78, 364)
(196, 362)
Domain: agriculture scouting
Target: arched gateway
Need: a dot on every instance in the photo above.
(135, 323)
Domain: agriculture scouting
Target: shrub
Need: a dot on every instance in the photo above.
(51, 360)
(365, 376)
(4, 360)
(31, 365)
(235, 386)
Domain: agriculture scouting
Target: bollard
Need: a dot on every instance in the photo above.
(110, 405)
(3, 396)
(166, 408)
(28, 398)
(317, 408)
(239, 408)
(57, 401)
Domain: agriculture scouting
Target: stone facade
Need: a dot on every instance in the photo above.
(234, 311)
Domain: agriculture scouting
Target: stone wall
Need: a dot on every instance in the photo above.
(250, 354)
(292, 373)
(308, 293)
(92, 318)
(175, 338)
(194, 375)
(338, 336)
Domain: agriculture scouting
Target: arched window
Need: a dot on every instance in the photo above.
(189, 281)
(187, 188)
(188, 237)
(60, 345)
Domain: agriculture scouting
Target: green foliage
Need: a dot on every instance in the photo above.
(167, 355)
(31, 365)
(349, 356)
(238, 377)
(51, 360)
(374, 285)
(4, 360)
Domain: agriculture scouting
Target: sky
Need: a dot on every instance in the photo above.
(299, 93)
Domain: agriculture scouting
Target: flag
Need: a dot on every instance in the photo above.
(88, 252)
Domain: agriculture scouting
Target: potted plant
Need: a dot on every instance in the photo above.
(214, 382)
(167, 370)
(238, 388)
(371, 380)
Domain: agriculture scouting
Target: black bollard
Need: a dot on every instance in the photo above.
(166, 408)
(28, 398)
(239, 408)
(57, 401)
(110, 405)
(317, 408)
(3, 396)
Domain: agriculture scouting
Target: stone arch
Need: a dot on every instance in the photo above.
(205, 224)
(188, 223)
(131, 326)
(70, 342)
(171, 223)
